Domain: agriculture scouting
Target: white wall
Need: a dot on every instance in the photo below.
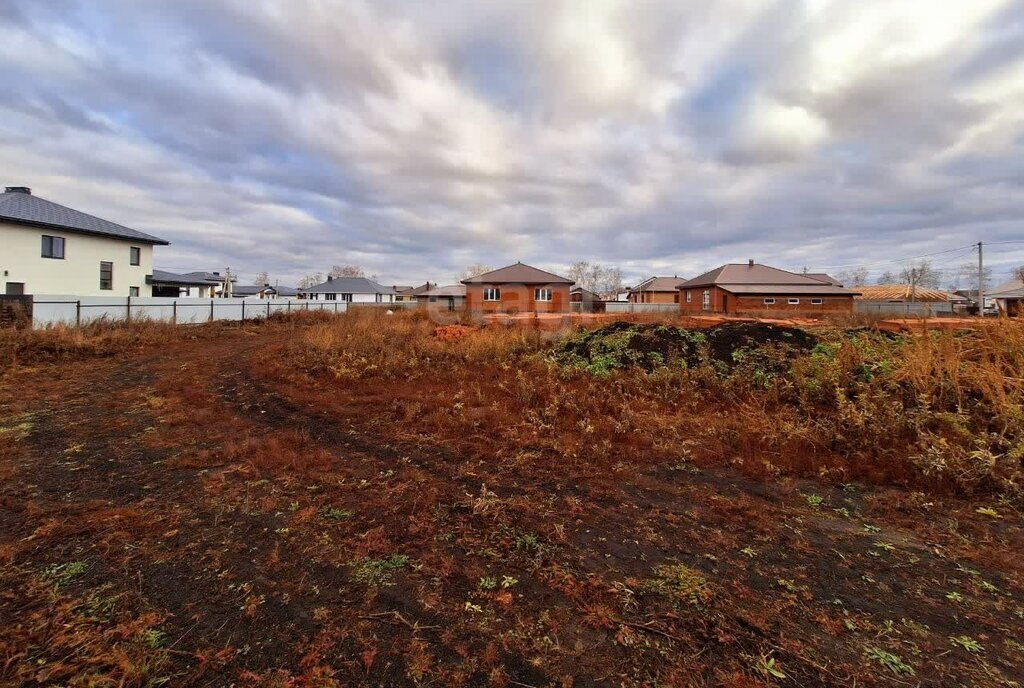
(361, 298)
(79, 272)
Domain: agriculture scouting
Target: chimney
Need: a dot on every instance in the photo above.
(330, 278)
(18, 189)
(217, 273)
(750, 263)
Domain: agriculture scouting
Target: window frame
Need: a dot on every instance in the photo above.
(109, 269)
(793, 301)
(817, 301)
(330, 297)
(689, 296)
(134, 255)
(53, 242)
(769, 300)
(706, 300)
(539, 292)
(492, 294)
(347, 298)
(133, 291)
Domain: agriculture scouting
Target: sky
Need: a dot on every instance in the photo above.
(417, 138)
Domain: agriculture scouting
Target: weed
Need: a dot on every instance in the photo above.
(749, 551)
(968, 643)
(988, 511)
(890, 661)
(681, 582)
(334, 514)
(63, 575)
(508, 581)
(768, 667)
(814, 500)
(154, 638)
(791, 585)
(378, 573)
(488, 583)
(954, 596)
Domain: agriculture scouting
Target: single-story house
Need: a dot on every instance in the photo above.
(50, 248)
(656, 290)
(518, 288)
(412, 293)
(349, 290)
(1009, 298)
(267, 291)
(754, 288)
(580, 295)
(197, 284)
(451, 297)
(904, 298)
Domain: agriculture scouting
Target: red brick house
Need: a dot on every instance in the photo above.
(516, 289)
(754, 288)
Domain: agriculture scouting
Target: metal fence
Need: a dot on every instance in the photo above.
(627, 307)
(52, 309)
(911, 310)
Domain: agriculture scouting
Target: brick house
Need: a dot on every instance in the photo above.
(754, 288)
(518, 288)
(656, 290)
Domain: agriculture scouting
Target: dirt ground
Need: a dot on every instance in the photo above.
(180, 516)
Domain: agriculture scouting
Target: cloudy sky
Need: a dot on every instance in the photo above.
(415, 138)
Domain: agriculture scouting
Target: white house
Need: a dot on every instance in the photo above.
(350, 290)
(51, 249)
(198, 284)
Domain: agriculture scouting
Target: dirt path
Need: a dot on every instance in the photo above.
(175, 516)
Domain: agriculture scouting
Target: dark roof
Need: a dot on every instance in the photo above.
(202, 279)
(24, 208)
(658, 284)
(520, 273)
(754, 278)
(254, 289)
(348, 285)
(585, 292)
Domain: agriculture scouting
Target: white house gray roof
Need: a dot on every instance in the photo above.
(198, 278)
(348, 285)
(20, 206)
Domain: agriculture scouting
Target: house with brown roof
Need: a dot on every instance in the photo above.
(754, 288)
(518, 288)
(906, 299)
(656, 290)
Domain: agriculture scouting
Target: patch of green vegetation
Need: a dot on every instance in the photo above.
(681, 582)
(529, 542)
(968, 643)
(488, 583)
(890, 661)
(814, 500)
(63, 575)
(154, 638)
(378, 573)
(334, 514)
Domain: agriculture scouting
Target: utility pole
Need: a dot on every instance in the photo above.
(981, 283)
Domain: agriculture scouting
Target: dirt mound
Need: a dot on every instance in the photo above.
(623, 345)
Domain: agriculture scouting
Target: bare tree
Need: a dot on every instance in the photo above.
(967, 274)
(611, 282)
(262, 278)
(311, 280)
(1017, 273)
(603, 280)
(921, 274)
(472, 271)
(887, 277)
(856, 277)
(346, 271)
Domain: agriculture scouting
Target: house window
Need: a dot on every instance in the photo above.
(769, 302)
(707, 299)
(492, 294)
(689, 297)
(347, 298)
(53, 246)
(542, 294)
(433, 299)
(380, 298)
(330, 297)
(794, 302)
(135, 255)
(133, 291)
(816, 302)
(106, 275)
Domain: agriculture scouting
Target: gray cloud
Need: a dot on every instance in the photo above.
(415, 138)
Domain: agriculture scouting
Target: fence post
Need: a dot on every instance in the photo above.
(174, 312)
(289, 308)
(268, 308)
(128, 314)
(243, 309)
(78, 313)
(211, 310)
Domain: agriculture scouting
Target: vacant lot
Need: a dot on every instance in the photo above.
(367, 501)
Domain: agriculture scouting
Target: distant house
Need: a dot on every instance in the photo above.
(349, 290)
(518, 288)
(752, 288)
(881, 298)
(265, 292)
(50, 248)
(448, 298)
(656, 290)
(190, 284)
(412, 293)
(580, 295)
(1009, 298)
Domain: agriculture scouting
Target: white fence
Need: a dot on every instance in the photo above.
(51, 309)
(627, 307)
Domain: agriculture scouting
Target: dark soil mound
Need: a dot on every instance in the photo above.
(623, 344)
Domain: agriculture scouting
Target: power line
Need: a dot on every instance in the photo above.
(893, 261)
